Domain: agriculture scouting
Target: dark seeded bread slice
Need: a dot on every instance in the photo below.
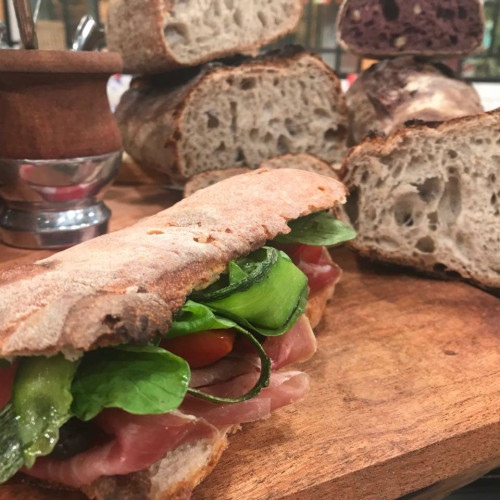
(301, 161)
(395, 91)
(226, 116)
(433, 28)
(157, 35)
(429, 197)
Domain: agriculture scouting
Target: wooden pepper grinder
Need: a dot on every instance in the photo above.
(59, 144)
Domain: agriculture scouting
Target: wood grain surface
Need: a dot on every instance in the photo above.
(405, 389)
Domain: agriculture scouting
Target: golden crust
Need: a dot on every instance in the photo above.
(125, 286)
(300, 161)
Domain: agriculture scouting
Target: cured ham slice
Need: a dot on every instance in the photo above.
(284, 388)
(317, 265)
(295, 346)
(138, 442)
(233, 365)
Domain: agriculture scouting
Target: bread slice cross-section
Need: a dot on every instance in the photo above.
(155, 35)
(432, 28)
(429, 197)
(226, 116)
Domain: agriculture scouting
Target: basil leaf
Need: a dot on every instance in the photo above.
(143, 380)
(317, 229)
(195, 317)
(266, 292)
(41, 401)
(11, 455)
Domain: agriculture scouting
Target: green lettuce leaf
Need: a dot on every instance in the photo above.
(143, 380)
(317, 229)
(41, 401)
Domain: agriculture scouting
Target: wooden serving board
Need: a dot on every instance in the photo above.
(405, 389)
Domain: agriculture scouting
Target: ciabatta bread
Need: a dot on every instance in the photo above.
(395, 91)
(224, 116)
(301, 161)
(125, 286)
(154, 36)
(429, 197)
(388, 28)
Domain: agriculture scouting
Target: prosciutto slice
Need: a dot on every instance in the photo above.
(295, 346)
(284, 388)
(138, 442)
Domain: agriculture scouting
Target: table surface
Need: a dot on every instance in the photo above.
(405, 388)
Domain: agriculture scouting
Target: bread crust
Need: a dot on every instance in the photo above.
(135, 30)
(379, 147)
(300, 161)
(126, 285)
(151, 113)
(384, 53)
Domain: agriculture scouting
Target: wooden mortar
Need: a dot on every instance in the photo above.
(54, 104)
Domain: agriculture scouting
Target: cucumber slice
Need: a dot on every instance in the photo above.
(243, 274)
(41, 400)
(11, 455)
(271, 301)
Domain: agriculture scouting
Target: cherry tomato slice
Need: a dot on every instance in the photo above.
(201, 348)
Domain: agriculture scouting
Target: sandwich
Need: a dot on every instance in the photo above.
(154, 36)
(230, 115)
(394, 91)
(428, 197)
(390, 28)
(129, 359)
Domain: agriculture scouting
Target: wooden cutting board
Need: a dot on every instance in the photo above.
(405, 389)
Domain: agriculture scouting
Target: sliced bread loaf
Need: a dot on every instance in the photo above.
(429, 197)
(301, 161)
(155, 36)
(394, 91)
(225, 116)
(387, 28)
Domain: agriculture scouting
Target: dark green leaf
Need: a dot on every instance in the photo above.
(195, 317)
(143, 380)
(317, 229)
(41, 401)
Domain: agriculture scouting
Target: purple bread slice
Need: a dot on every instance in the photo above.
(432, 28)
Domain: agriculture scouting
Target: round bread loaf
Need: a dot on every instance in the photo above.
(395, 91)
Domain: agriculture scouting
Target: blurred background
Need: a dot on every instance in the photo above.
(57, 20)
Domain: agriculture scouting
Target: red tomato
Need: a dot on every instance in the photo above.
(314, 263)
(201, 348)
